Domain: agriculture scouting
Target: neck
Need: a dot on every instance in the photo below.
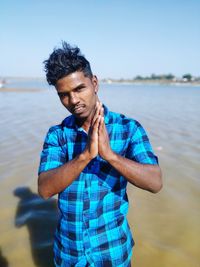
(86, 122)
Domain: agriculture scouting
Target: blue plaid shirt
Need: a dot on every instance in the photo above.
(93, 228)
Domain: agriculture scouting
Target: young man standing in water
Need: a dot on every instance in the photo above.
(88, 160)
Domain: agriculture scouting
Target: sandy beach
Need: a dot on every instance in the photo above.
(165, 226)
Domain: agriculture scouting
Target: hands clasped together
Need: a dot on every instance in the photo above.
(145, 176)
(98, 141)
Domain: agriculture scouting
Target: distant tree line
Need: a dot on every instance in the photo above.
(170, 77)
(158, 77)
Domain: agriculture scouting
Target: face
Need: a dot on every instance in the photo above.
(78, 93)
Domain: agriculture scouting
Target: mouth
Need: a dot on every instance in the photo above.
(78, 109)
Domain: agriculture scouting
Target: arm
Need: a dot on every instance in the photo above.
(53, 181)
(145, 176)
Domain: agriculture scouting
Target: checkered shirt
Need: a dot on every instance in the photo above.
(93, 229)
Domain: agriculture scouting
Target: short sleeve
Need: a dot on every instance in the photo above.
(52, 155)
(140, 149)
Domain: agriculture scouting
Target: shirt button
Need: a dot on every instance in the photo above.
(87, 252)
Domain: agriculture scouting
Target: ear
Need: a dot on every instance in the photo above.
(95, 83)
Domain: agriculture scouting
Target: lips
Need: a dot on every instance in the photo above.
(78, 109)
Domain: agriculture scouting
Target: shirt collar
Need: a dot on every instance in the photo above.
(70, 121)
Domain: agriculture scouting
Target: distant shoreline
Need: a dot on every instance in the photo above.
(8, 87)
(20, 90)
(151, 82)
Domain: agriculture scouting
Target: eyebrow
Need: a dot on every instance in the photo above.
(79, 86)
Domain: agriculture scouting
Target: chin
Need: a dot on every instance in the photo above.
(81, 115)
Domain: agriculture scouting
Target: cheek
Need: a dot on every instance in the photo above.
(92, 97)
(64, 102)
(88, 97)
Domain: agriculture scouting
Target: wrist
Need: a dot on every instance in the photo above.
(110, 156)
(85, 156)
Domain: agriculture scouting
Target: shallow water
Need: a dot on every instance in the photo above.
(165, 226)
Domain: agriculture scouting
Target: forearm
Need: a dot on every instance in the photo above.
(145, 176)
(56, 180)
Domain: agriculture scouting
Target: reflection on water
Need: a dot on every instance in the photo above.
(40, 217)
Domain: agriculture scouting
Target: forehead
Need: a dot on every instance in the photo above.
(71, 81)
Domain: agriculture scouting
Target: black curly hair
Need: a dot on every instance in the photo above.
(64, 61)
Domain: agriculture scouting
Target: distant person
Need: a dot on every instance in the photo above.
(88, 160)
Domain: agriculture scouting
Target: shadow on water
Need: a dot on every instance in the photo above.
(3, 260)
(40, 216)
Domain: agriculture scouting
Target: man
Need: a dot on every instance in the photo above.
(88, 160)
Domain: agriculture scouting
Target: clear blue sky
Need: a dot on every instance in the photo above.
(121, 38)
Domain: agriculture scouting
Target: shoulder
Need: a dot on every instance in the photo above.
(55, 133)
(56, 129)
(123, 120)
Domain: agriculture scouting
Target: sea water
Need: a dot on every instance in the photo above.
(165, 226)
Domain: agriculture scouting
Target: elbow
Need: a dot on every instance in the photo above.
(42, 194)
(158, 183)
(41, 189)
(157, 188)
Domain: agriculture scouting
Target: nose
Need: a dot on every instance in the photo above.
(73, 99)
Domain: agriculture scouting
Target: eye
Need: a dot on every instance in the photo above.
(62, 95)
(79, 89)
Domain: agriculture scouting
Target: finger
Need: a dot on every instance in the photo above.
(102, 111)
(102, 119)
(96, 113)
(96, 126)
(96, 122)
(101, 124)
(100, 108)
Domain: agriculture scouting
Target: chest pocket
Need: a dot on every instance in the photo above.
(109, 177)
(118, 141)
